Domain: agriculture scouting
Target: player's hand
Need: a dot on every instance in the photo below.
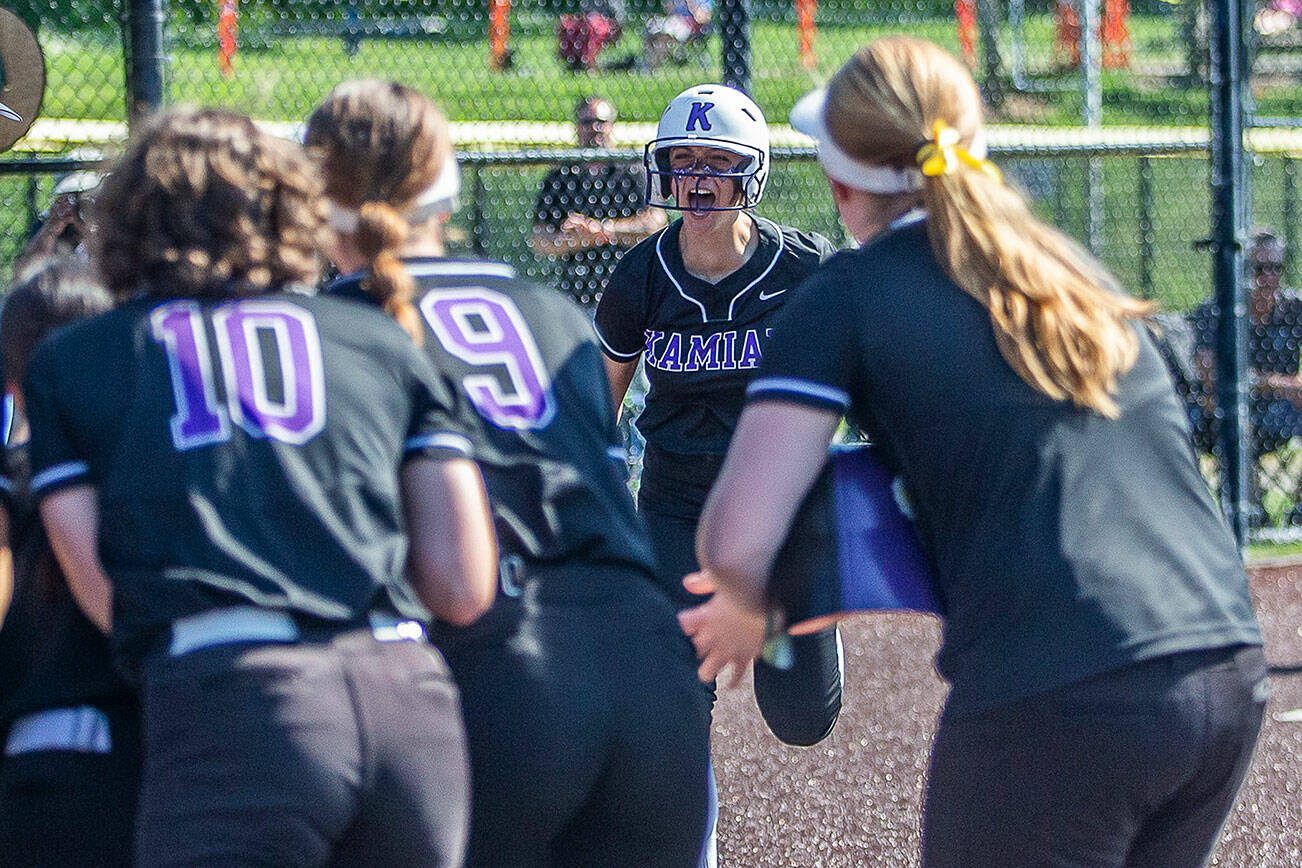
(726, 630)
(700, 583)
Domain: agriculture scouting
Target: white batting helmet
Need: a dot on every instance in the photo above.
(711, 116)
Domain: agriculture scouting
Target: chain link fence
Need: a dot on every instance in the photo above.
(1098, 110)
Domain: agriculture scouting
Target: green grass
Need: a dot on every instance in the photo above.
(287, 78)
(1271, 551)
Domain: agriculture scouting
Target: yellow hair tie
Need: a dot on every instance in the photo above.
(942, 155)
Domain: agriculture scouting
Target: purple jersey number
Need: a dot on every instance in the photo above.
(485, 329)
(243, 329)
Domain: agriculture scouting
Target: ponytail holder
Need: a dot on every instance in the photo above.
(942, 154)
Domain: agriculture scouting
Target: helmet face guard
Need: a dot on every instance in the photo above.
(664, 183)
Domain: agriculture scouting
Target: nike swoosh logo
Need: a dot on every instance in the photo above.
(765, 296)
(7, 112)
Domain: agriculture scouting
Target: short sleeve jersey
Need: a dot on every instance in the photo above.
(243, 452)
(604, 191)
(51, 656)
(1274, 345)
(1063, 544)
(701, 343)
(534, 389)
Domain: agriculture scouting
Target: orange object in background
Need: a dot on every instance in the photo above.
(965, 12)
(499, 34)
(228, 29)
(805, 11)
(1116, 35)
(1113, 30)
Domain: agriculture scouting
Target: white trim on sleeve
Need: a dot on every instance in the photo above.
(795, 386)
(440, 440)
(58, 473)
(624, 357)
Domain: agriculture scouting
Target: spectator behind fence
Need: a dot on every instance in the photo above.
(1274, 351)
(589, 212)
(668, 36)
(581, 38)
(61, 230)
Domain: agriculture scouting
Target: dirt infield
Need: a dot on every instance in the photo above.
(855, 800)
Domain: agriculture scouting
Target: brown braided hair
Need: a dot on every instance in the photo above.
(380, 144)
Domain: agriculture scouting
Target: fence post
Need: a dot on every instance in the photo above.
(144, 22)
(1290, 218)
(1146, 227)
(1229, 195)
(734, 38)
(33, 206)
(992, 84)
(477, 211)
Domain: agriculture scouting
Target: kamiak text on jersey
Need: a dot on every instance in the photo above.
(721, 351)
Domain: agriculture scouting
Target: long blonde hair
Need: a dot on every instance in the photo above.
(204, 204)
(380, 144)
(1059, 318)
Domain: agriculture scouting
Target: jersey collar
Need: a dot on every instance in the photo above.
(767, 253)
(425, 266)
(908, 218)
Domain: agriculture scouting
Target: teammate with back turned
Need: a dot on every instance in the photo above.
(226, 465)
(69, 724)
(1108, 681)
(587, 728)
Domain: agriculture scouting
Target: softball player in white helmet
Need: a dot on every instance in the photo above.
(708, 134)
(695, 303)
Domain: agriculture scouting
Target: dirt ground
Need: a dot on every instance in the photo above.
(855, 799)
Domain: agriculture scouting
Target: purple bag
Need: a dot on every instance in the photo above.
(851, 549)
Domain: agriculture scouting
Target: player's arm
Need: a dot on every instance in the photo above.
(71, 517)
(775, 456)
(452, 559)
(6, 564)
(620, 375)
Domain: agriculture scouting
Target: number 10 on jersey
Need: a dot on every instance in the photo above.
(270, 372)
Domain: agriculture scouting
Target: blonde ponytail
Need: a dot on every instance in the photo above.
(1057, 315)
(381, 233)
(1059, 319)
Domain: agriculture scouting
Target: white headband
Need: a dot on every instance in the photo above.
(438, 198)
(807, 117)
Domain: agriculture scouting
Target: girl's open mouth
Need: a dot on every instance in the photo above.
(700, 201)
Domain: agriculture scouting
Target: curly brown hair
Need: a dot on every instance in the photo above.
(205, 204)
(380, 144)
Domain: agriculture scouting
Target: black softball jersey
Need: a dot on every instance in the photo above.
(529, 371)
(1064, 544)
(701, 344)
(243, 451)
